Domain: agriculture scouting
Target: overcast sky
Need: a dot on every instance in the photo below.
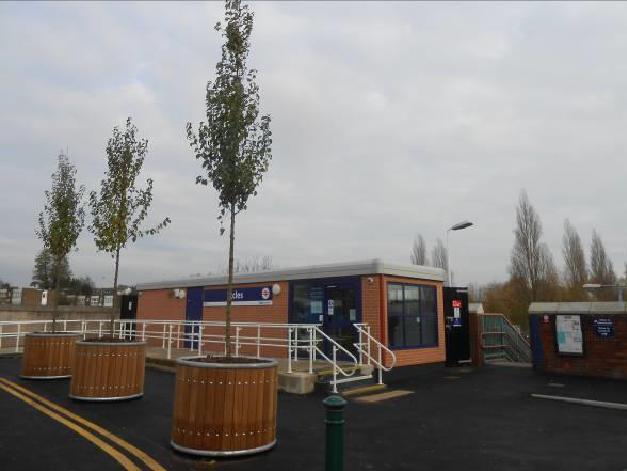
(388, 119)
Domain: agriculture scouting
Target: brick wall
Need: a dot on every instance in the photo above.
(161, 304)
(275, 313)
(604, 357)
(374, 312)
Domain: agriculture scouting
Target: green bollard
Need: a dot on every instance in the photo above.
(335, 433)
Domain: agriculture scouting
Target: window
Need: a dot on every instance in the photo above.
(412, 316)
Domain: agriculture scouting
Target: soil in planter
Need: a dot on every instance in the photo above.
(230, 361)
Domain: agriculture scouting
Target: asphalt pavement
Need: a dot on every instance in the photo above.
(452, 419)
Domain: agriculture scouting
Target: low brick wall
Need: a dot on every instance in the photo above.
(602, 356)
(15, 313)
(10, 312)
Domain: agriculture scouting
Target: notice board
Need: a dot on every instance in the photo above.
(568, 334)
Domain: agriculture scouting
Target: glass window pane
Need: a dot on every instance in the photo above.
(301, 304)
(395, 300)
(429, 315)
(412, 331)
(395, 333)
(412, 301)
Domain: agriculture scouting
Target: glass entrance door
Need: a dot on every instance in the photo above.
(332, 303)
(339, 316)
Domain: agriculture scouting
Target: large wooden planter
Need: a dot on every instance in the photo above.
(48, 355)
(224, 409)
(108, 371)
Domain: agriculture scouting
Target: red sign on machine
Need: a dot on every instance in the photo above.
(457, 303)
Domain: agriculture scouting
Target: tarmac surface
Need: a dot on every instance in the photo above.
(452, 419)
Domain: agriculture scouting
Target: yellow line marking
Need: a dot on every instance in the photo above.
(119, 457)
(383, 396)
(151, 463)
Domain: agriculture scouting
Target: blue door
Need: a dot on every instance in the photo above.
(340, 313)
(193, 313)
(335, 303)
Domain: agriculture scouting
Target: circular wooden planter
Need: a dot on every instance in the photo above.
(108, 371)
(48, 355)
(224, 409)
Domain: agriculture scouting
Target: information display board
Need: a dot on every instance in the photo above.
(569, 335)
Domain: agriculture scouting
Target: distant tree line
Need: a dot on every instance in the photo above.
(534, 275)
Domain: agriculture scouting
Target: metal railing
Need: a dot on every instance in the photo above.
(500, 339)
(298, 341)
(364, 348)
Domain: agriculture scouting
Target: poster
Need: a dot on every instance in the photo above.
(569, 336)
(604, 327)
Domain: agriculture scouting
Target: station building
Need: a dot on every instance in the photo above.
(402, 304)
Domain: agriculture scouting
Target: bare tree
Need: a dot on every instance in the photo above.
(575, 270)
(439, 257)
(601, 267)
(529, 258)
(418, 254)
(253, 264)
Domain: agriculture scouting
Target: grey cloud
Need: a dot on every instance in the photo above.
(388, 119)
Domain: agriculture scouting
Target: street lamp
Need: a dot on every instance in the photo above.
(455, 227)
(598, 285)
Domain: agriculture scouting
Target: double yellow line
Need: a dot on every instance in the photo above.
(83, 427)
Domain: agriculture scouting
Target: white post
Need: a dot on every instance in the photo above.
(311, 349)
(45, 327)
(170, 344)
(368, 347)
(315, 342)
(83, 325)
(237, 329)
(143, 331)
(334, 369)
(99, 329)
(64, 325)
(296, 344)
(17, 341)
(380, 374)
(360, 343)
(192, 334)
(289, 350)
(178, 336)
(199, 339)
(163, 341)
(258, 341)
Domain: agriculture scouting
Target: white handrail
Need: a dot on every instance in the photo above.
(364, 329)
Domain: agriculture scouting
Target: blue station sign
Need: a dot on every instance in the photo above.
(256, 296)
(604, 327)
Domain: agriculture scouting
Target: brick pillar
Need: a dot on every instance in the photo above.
(474, 327)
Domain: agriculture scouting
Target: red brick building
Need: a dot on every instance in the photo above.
(582, 338)
(402, 304)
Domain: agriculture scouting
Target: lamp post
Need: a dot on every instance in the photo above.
(598, 285)
(455, 227)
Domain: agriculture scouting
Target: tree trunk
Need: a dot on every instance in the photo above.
(57, 285)
(115, 292)
(229, 289)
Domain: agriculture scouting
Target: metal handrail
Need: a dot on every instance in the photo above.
(495, 325)
(365, 329)
(380, 361)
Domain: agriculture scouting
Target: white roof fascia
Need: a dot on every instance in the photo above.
(336, 270)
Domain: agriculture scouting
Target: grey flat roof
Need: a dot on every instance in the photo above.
(587, 307)
(368, 267)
